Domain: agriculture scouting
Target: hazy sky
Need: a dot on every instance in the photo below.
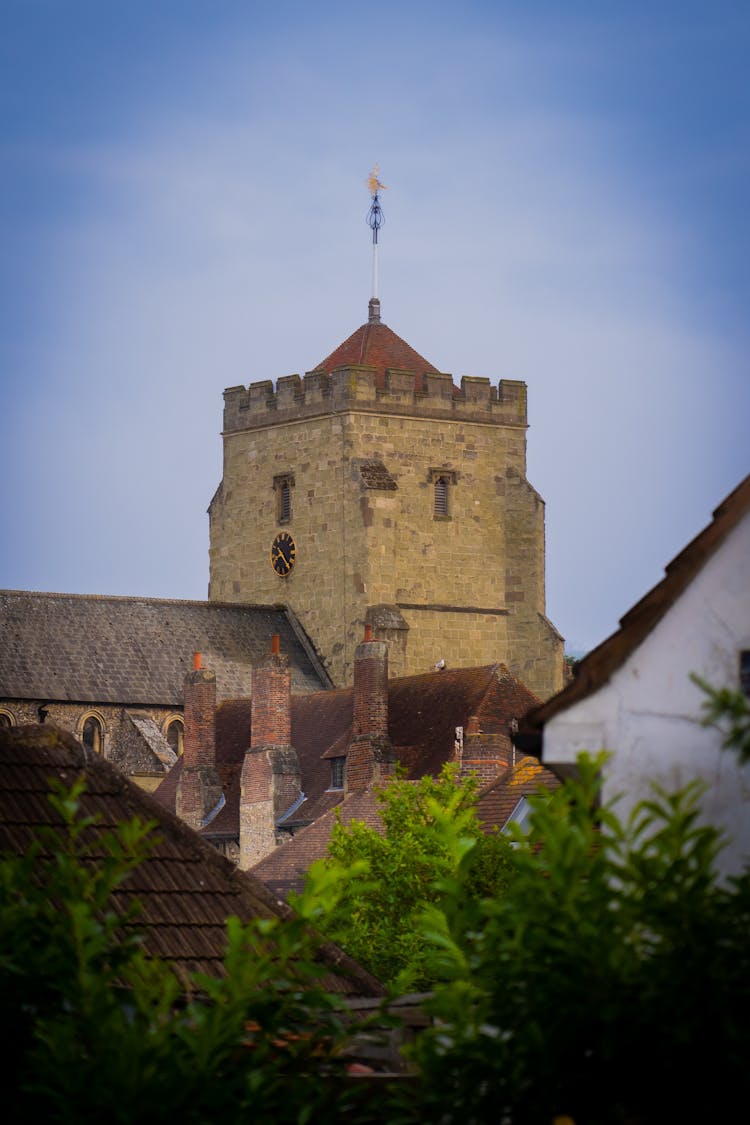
(182, 204)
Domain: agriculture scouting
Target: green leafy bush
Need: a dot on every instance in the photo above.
(95, 1030)
(384, 881)
(610, 982)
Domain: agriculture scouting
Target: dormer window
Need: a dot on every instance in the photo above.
(337, 773)
(283, 485)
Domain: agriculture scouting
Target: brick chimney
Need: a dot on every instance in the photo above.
(370, 758)
(270, 780)
(485, 755)
(199, 788)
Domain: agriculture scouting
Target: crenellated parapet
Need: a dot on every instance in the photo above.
(431, 395)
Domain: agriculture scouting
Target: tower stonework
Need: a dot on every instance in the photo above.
(401, 501)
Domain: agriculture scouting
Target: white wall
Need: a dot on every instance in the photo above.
(648, 714)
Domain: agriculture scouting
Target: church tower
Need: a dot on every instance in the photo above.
(375, 491)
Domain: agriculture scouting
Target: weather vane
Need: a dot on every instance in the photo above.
(375, 220)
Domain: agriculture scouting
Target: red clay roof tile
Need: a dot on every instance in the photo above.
(376, 345)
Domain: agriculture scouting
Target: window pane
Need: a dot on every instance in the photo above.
(92, 735)
(337, 773)
(174, 736)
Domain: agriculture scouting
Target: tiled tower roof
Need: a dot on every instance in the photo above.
(376, 345)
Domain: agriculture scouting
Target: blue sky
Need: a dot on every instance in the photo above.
(182, 207)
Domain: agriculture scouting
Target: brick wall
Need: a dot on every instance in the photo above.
(485, 755)
(369, 756)
(199, 789)
(270, 779)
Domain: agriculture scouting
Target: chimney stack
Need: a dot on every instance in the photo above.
(199, 788)
(370, 758)
(485, 755)
(270, 780)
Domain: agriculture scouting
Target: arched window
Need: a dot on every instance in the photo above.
(6, 719)
(174, 735)
(92, 734)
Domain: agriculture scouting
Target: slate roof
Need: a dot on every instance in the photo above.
(378, 346)
(596, 669)
(154, 739)
(423, 711)
(136, 651)
(187, 889)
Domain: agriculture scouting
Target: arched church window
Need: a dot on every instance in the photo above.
(92, 734)
(175, 734)
(6, 719)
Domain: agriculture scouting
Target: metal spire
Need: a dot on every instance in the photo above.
(375, 220)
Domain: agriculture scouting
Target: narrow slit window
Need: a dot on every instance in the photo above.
(285, 502)
(441, 496)
(283, 486)
(442, 481)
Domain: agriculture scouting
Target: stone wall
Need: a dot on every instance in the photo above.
(122, 746)
(468, 587)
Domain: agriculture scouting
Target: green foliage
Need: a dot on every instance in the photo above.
(610, 982)
(729, 712)
(373, 887)
(94, 1030)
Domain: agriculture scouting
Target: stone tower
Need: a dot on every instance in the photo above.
(375, 491)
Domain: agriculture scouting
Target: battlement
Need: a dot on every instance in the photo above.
(353, 388)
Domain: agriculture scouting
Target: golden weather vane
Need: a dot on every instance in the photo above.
(374, 183)
(375, 220)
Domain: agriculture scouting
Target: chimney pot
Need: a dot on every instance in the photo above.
(368, 632)
(197, 661)
(275, 644)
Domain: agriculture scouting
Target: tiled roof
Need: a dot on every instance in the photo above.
(597, 668)
(423, 711)
(136, 651)
(284, 869)
(186, 888)
(376, 345)
(499, 798)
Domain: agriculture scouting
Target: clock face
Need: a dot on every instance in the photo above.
(283, 554)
